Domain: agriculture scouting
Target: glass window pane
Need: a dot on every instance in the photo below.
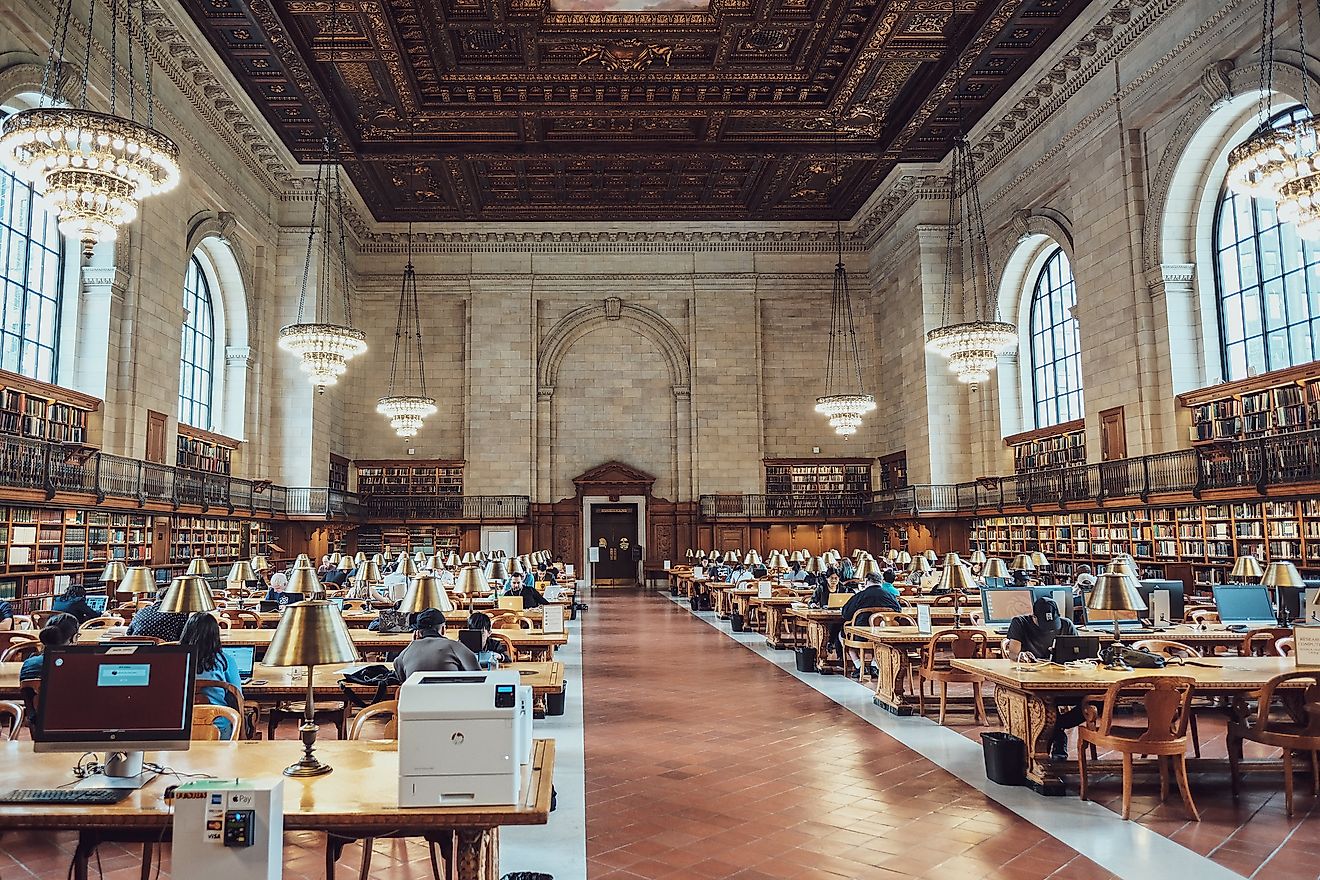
(1055, 366)
(196, 380)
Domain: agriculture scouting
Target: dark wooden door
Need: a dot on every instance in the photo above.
(1113, 435)
(156, 436)
(614, 535)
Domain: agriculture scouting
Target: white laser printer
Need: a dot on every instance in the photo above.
(464, 738)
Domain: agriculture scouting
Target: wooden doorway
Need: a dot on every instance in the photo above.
(614, 538)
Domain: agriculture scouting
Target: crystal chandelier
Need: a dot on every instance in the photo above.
(93, 168)
(971, 347)
(324, 347)
(844, 402)
(1272, 157)
(407, 411)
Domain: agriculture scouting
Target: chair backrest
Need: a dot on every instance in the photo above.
(1167, 700)
(242, 618)
(1203, 616)
(1303, 705)
(14, 712)
(504, 621)
(39, 618)
(509, 649)
(105, 621)
(233, 696)
(23, 622)
(375, 712)
(355, 605)
(19, 651)
(1284, 647)
(1166, 649)
(955, 644)
(1260, 642)
(9, 637)
(203, 722)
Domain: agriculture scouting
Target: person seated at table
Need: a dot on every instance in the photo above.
(1083, 582)
(888, 584)
(335, 576)
(202, 634)
(558, 565)
(74, 601)
(395, 584)
(60, 630)
(831, 582)
(479, 621)
(446, 577)
(760, 572)
(531, 597)
(6, 616)
(796, 572)
(151, 621)
(846, 569)
(1031, 637)
(431, 651)
(872, 595)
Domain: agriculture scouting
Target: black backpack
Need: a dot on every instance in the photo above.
(376, 675)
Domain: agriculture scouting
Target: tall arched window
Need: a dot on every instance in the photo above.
(197, 361)
(30, 281)
(1056, 371)
(1267, 283)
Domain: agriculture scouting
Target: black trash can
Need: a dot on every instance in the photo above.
(806, 659)
(736, 622)
(527, 875)
(554, 703)
(1005, 758)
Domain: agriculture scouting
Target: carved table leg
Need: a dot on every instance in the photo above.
(891, 685)
(773, 621)
(477, 855)
(1031, 720)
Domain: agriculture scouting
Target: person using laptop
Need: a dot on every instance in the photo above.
(1030, 638)
(830, 583)
(74, 601)
(531, 597)
(202, 634)
(431, 651)
(479, 622)
(872, 595)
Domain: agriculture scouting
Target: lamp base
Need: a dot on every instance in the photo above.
(307, 767)
(1115, 661)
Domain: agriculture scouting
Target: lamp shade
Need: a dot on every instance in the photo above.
(994, 568)
(778, 561)
(303, 561)
(496, 570)
(952, 559)
(867, 566)
(240, 573)
(797, 556)
(260, 563)
(452, 560)
(199, 566)
(920, 565)
(378, 558)
(469, 558)
(114, 571)
(419, 557)
(373, 572)
(903, 558)
(752, 558)
(345, 563)
(1022, 562)
(956, 578)
(1123, 567)
(892, 555)
(425, 592)
(833, 557)
(516, 567)
(305, 581)
(1245, 567)
(359, 558)
(977, 557)
(310, 633)
(1039, 559)
(1282, 574)
(138, 581)
(931, 556)
(407, 567)
(187, 594)
(1115, 592)
(332, 559)
(471, 581)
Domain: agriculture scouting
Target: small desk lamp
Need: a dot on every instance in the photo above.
(954, 578)
(1282, 573)
(1116, 592)
(138, 581)
(977, 557)
(345, 563)
(931, 556)
(919, 565)
(470, 582)
(1039, 559)
(187, 594)
(199, 567)
(1023, 562)
(752, 558)
(305, 581)
(496, 570)
(113, 573)
(1247, 569)
(452, 560)
(239, 574)
(892, 555)
(310, 634)
(425, 592)
(359, 558)
(994, 567)
(867, 566)
(903, 558)
(407, 567)
(260, 563)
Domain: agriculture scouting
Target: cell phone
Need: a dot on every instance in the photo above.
(259, 681)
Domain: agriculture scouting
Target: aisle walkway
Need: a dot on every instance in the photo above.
(704, 761)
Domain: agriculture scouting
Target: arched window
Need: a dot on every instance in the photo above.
(30, 281)
(197, 361)
(1267, 283)
(1056, 372)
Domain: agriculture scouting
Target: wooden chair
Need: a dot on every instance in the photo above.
(105, 621)
(1167, 702)
(250, 713)
(1260, 642)
(9, 637)
(24, 623)
(508, 620)
(355, 605)
(1298, 730)
(1179, 651)
(241, 618)
(509, 649)
(14, 713)
(39, 618)
(1284, 647)
(858, 647)
(19, 651)
(203, 722)
(949, 644)
(1203, 617)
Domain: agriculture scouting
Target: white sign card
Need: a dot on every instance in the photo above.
(697, 572)
(1306, 645)
(763, 589)
(552, 618)
(1063, 600)
(593, 554)
(667, 565)
(923, 619)
(1159, 607)
(568, 570)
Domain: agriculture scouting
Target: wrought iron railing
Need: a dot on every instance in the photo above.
(476, 508)
(1257, 465)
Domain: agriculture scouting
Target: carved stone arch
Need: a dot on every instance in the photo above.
(224, 226)
(211, 236)
(583, 320)
(22, 77)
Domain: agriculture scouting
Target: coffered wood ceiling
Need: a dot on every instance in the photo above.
(514, 110)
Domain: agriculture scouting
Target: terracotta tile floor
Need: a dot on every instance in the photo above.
(703, 761)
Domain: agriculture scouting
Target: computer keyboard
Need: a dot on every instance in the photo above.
(76, 796)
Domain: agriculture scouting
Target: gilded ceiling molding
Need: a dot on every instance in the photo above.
(901, 195)
(814, 241)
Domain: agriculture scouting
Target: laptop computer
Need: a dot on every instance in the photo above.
(837, 600)
(510, 603)
(338, 602)
(472, 640)
(1068, 648)
(243, 658)
(98, 603)
(1248, 607)
(265, 606)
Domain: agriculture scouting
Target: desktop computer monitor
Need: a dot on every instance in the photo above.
(116, 698)
(1245, 606)
(995, 583)
(1177, 605)
(1001, 605)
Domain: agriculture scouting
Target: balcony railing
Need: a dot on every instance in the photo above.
(1258, 465)
(463, 507)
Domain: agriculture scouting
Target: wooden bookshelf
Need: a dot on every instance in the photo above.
(41, 411)
(409, 477)
(1205, 537)
(338, 476)
(784, 476)
(429, 539)
(1268, 405)
(205, 451)
(215, 539)
(40, 544)
(893, 470)
(1047, 448)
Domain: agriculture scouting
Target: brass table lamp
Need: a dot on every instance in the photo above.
(470, 582)
(425, 592)
(1246, 569)
(199, 567)
(305, 581)
(310, 634)
(187, 594)
(994, 567)
(955, 578)
(1039, 559)
(866, 567)
(239, 574)
(139, 581)
(112, 575)
(903, 558)
(1115, 592)
(977, 557)
(1023, 562)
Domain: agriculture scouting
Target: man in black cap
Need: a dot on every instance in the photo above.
(431, 651)
(1031, 636)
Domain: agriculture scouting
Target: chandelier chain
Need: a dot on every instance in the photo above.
(114, 56)
(49, 77)
(87, 56)
(146, 64)
(311, 234)
(1301, 48)
(1266, 60)
(131, 33)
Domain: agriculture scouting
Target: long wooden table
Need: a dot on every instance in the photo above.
(359, 799)
(896, 648)
(540, 645)
(363, 619)
(1028, 697)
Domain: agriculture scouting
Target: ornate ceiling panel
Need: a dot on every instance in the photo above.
(624, 109)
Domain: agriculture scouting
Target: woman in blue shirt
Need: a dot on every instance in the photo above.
(60, 630)
(74, 601)
(202, 634)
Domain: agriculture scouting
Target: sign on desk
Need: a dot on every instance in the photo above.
(552, 618)
(1306, 645)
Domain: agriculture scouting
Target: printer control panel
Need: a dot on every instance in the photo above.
(505, 696)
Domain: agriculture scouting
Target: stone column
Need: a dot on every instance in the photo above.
(99, 348)
(544, 442)
(683, 442)
(234, 400)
